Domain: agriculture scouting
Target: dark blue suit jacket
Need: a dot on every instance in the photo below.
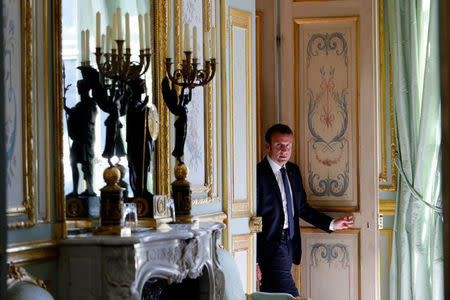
(270, 208)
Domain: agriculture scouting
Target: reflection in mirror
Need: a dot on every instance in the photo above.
(108, 115)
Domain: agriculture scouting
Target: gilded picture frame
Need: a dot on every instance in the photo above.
(18, 37)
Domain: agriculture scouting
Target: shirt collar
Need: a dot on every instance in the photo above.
(275, 167)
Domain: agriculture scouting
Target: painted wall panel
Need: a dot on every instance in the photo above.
(331, 259)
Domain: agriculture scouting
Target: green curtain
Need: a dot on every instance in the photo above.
(417, 252)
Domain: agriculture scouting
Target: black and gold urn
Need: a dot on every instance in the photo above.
(111, 201)
(182, 195)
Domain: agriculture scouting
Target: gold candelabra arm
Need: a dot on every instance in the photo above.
(148, 56)
(177, 76)
(118, 64)
(189, 76)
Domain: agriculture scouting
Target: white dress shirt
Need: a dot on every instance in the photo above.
(276, 171)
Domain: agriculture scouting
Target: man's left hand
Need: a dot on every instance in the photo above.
(343, 222)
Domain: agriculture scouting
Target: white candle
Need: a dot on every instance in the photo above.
(97, 30)
(169, 42)
(187, 38)
(213, 42)
(102, 45)
(194, 41)
(206, 45)
(114, 32)
(119, 24)
(103, 48)
(83, 48)
(147, 30)
(141, 34)
(127, 31)
(108, 39)
(88, 52)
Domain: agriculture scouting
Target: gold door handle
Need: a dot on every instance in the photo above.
(255, 224)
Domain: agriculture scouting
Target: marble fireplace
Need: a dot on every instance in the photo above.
(180, 262)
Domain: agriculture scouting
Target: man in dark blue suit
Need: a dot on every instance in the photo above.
(281, 202)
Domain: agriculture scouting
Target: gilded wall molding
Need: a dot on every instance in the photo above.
(32, 252)
(243, 20)
(214, 217)
(387, 207)
(225, 158)
(26, 36)
(244, 243)
(45, 218)
(160, 12)
(386, 184)
(259, 134)
(60, 208)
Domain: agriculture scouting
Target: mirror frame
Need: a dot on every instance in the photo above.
(159, 11)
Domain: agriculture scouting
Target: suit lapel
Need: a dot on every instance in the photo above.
(271, 178)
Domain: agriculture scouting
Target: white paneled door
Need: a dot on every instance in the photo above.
(329, 96)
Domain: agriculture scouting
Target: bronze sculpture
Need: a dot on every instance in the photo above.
(177, 106)
(139, 140)
(81, 130)
(112, 101)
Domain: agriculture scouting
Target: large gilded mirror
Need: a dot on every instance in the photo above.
(107, 106)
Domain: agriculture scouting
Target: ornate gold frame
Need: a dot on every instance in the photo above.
(159, 39)
(242, 19)
(244, 243)
(27, 122)
(208, 186)
(386, 184)
(160, 11)
(325, 20)
(46, 149)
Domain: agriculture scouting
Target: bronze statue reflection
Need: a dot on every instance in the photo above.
(139, 140)
(81, 130)
(111, 100)
(177, 106)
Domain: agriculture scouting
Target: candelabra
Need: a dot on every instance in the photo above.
(118, 65)
(189, 76)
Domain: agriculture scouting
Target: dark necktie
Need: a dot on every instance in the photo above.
(289, 202)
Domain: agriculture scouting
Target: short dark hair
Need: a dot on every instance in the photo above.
(280, 128)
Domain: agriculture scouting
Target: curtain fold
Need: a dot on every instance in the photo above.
(417, 251)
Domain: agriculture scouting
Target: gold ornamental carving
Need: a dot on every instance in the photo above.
(255, 224)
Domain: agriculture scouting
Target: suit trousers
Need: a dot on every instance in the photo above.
(276, 269)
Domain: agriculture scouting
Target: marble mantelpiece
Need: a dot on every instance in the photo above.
(113, 267)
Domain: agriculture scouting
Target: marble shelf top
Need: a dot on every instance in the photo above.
(145, 235)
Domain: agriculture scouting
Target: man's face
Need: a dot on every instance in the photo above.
(280, 147)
